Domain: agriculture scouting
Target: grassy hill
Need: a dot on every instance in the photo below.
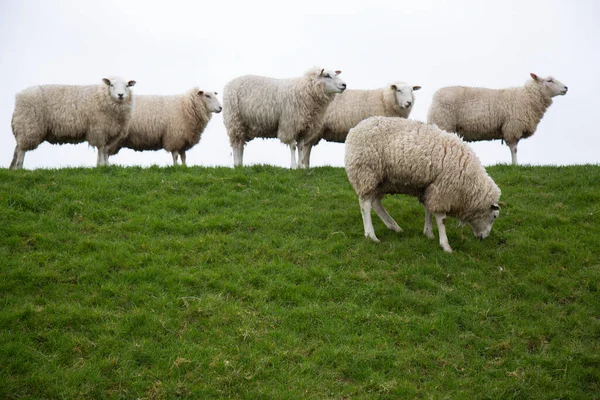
(258, 283)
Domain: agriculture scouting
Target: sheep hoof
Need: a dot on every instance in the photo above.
(447, 249)
(373, 238)
(429, 234)
(397, 229)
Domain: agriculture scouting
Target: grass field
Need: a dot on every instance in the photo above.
(257, 283)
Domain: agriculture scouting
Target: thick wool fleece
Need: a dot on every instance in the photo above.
(260, 107)
(486, 114)
(62, 114)
(174, 123)
(353, 106)
(386, 155)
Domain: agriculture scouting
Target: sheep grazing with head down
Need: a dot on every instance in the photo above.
(486, 114)
(352, 106)
(60, 114)
(172, 123)
(396, 155)
(289, 109)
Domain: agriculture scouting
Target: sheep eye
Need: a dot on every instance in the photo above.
(551, 80)
(399, 91)
(328, 76)
(207, 96)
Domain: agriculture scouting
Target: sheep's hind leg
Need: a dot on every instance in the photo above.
(385, 216)
(174, 154)
(182, 156)
(513, 152)
(238, 154)
(365, 209)
(440, 219)
(428, 228)
(18, 157)
(293, 163)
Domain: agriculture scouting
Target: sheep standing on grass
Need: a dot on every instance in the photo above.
(349, 108)
(485, 114)
(289, 109)
(173, 123)
(60, 114)
(395, 155)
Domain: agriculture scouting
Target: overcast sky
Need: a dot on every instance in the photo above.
(169, 47)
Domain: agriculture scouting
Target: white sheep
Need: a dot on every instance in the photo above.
(172, 123)
(289, 109)
(396, 155)
(60, 114)
(352, 106)
(486, 114)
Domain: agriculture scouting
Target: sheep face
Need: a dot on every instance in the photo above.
(552, 87)
(404, 94)
(210, 101)
(482, 223)
(331, 82)
(118, 89)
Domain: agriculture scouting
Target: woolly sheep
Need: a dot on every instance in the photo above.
(352, 106)
(396, 155)
(289, 109)
(486, 114)
(59, 114)
(173, 123)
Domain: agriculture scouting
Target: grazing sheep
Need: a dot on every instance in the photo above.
(352, 106)
(289, 109)
(59, 114)
(486, 114)
(173, 123)
(396, 155)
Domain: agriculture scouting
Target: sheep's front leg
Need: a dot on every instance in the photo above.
(182, 155)
(238, 154)
(304, 154)
(365, 209)
(513, 152)
(102, 156)
(428, 229)
(440, 219)
(385, 216)
(174, 154)
(293, 164)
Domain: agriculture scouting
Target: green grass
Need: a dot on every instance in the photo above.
(258, 283)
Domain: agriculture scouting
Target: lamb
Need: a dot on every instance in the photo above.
(486, 114)
(289, 109)
(173, 123)
(352, 106)
(59, 114)
(396, 155)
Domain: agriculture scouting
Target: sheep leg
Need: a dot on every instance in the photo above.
(182, 155)
(100, 160)
(105, 155)
(440, 219)
(304, 155)
(174, 154)
(293, 164)
(385, 216)
(18, 157)
(365, 209)
(428, 229)
(238, 154)
(513, 152)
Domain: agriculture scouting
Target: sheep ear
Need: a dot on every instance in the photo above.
(534, 76)
(394, 87)
(216, 93)
(321, 73)
(131, 83)
(416, 88)
(106, 81)
(201, 92)
(495, 207)
(338, 72)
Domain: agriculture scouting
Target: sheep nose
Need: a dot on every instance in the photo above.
(343, 85)
(566, 88)
(408, 103)
(120, 95)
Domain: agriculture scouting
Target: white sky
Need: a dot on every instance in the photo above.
(169, 47)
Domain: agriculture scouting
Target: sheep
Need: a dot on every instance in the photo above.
(289, 109)
(60, 114)
(396, 155)
(486, 114)
(352, 106)
(173, 123)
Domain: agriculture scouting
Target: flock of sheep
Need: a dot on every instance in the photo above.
(386, 153)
